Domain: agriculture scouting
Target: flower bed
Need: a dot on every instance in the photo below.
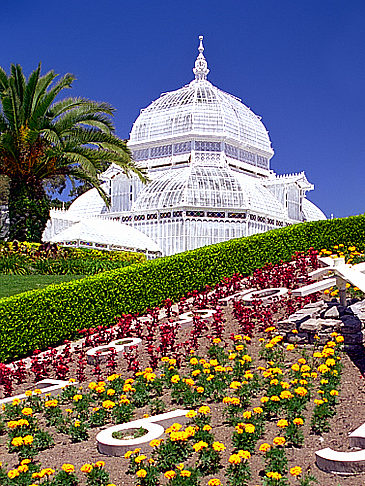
(258, 405)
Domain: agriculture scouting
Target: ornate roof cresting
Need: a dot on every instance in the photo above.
(201, 70)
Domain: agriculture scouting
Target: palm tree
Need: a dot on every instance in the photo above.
(42, 139)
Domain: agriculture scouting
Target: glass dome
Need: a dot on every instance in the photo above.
(89, 204)
(200, 109)
(207, 187)
(311, 212)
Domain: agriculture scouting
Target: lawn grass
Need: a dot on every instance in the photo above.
(16, 284)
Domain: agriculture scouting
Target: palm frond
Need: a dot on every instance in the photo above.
(30, 91)
(4, 80)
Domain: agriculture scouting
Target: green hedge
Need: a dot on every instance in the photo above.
(41, 318)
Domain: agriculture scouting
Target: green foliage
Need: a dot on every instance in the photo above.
(38, 319)
(45, 259)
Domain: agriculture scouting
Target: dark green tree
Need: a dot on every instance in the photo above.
(42, 139)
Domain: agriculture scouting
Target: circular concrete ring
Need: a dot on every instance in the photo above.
(187, 317)
(266, 295)
(107, 444)
(104, 351)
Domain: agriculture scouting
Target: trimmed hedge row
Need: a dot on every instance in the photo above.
(41, 318)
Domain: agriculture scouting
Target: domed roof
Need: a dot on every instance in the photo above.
(106, 232)
(207, 187)
(202, 109)
(88, 204)
(311, 212)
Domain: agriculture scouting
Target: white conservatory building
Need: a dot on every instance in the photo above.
(208, 158)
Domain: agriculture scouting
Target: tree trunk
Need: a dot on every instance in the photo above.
(29, 208)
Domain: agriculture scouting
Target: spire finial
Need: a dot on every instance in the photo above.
(201, 70)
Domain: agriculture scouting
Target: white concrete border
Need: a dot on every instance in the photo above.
(46, 386)
(155, 426)
(119, 345)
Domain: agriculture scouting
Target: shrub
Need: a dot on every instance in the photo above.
(48, 259)
(41, 318)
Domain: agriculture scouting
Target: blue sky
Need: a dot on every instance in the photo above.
(300, 65)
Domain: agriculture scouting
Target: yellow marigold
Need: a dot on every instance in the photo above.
(28, 439)
(113, 377)
(295, 471)
(140, 458)
(218, 446)
(191, 414)
(275, 398)
(340, 339)
(232, 356)
(179, 436)
(28, 393)
(282, 423)
(204, 409)
(258, 410)
(334, 393)
(249, 428)
(77, 423)
(214, 482)
(301, 391)
(264, 399)
(25, 461)
(237, 337)
(217, 340)
(247, 414)
(235, 459)
(155, 442)
(207, 428)
(200, 389)
(13, 473)
(185, 473)
(318, 402)
(108, 404)
(69, 468)
(199, 446)
(264, 447)
(86, 468)
(279, 441)
(195, 373)
(15, 402)
(175, 378)
(323, 368)
(173, 428)
(295, 367)
(23, 468)
(244, 454)
(110, 392)
(274, 475)
(13, 424)
(141, 473)
(128, 454)
(76, 398)
(51, 403)
(170, 474)
(99, 464)
(290, 347)
(27, 411)
(298, 421)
